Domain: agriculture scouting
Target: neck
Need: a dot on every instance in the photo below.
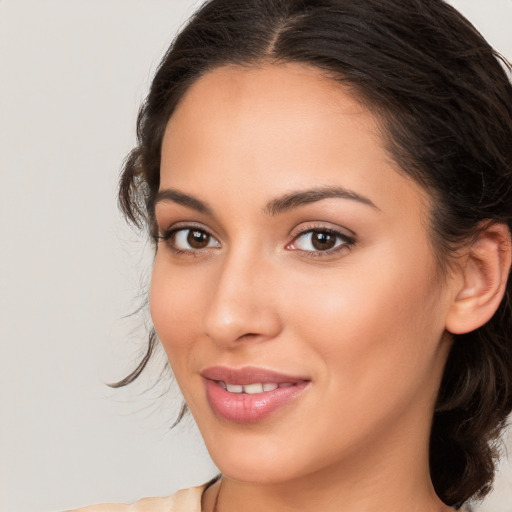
(378, 495)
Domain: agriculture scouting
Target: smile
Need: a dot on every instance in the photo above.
(249, 395)
(252, 389)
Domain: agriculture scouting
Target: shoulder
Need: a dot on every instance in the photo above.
(186, 500)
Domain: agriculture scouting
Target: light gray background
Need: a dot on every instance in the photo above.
(73, 73)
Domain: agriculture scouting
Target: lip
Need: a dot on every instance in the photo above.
(249, 408)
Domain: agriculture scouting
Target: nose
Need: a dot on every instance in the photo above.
(242, 305)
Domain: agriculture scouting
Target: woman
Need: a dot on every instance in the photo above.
(329, 188)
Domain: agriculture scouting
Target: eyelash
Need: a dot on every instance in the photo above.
(346, 241)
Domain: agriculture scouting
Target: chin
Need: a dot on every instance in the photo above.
(257, 472)
(261, 457)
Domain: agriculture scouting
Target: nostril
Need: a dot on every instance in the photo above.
(249, 335)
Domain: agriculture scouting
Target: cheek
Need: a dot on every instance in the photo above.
(174, 304)
(375, 324)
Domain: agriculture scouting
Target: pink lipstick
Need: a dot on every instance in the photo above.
(248, 395)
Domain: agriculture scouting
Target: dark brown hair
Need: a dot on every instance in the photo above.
(445, 104)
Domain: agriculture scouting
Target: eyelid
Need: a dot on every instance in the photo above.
(176, 226)
(307, 227)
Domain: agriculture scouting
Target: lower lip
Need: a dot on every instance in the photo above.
(245, 408)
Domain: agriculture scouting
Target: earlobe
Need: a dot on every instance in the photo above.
(484, 271)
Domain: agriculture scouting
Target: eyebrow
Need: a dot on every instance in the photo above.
(303, 197)
(275, 206)
(176, 196)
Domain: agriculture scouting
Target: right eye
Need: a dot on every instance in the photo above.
(189, 239)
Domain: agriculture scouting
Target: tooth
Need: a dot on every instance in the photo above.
(286, 385)
(269, 386)
(251, 389)
(234, 388)
(222, 384)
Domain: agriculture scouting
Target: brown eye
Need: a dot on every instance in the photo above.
(322, 241)
(190, 239)
(198, 239)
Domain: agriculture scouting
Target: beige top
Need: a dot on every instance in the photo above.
(186, 500)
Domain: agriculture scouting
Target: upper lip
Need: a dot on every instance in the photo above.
(248, 375)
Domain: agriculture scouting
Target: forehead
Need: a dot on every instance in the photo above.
(286, 84)
(273, 128)
(282, 94)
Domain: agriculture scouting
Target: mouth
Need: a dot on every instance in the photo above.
(249, 395)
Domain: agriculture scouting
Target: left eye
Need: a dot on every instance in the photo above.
(319, 240)
(192, 239)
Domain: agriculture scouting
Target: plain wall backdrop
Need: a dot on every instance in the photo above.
(73, 73)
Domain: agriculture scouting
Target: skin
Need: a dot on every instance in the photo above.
(366, 322)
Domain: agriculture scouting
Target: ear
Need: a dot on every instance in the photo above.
(484, 271)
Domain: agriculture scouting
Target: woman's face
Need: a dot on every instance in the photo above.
(294, 287)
